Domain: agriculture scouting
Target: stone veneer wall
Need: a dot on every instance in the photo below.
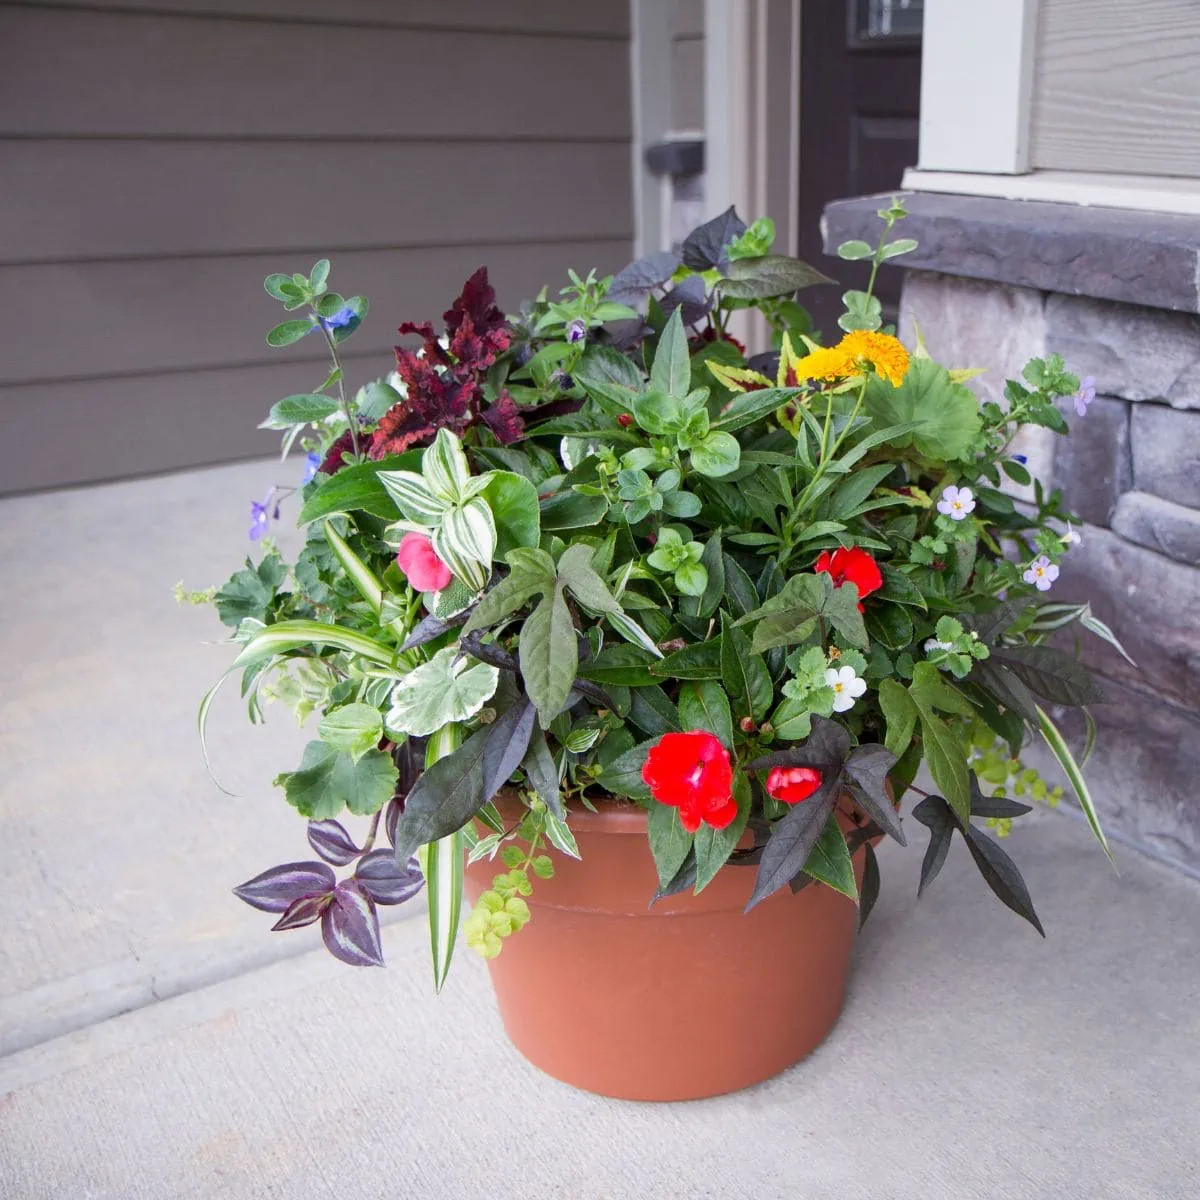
(1130, 469)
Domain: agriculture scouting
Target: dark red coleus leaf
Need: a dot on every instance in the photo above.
(504, 420)
(350, 927)
(333, 461)
(381, 877)
(274, 890)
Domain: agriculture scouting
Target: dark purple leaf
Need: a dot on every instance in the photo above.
(938, 817)
(391, 818)
(384, 881)
(429, 628)
(868, 893)
(506, 745)
(1001, 875)
(274, 890)
(304, 911)
(632, 285)
(332, 842)
(350, 927)
(691, 297)
(792, 839)
(706, 245)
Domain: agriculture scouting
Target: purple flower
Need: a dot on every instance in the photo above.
(576, 331)
(261, 514)
(956, 502)
(1085, 395)
(312, 461)
(1041, 573)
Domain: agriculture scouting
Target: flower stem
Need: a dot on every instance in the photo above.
(351, 420)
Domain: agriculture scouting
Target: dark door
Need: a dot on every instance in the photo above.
(860, 91)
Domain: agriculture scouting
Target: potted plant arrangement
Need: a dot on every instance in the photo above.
(641, 643)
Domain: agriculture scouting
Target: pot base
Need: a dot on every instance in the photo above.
(689, 998)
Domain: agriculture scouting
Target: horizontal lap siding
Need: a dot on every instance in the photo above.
(156, 163)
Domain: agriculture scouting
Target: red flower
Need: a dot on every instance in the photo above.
(852, 566)
(692, 772)
(420, 563)
(793, 784)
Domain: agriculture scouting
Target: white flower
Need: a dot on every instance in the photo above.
(1071, 538)
(847, 687)
(933, 644)
(1041, 573)
(956, 502)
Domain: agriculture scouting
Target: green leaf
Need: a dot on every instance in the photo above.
(744, 673)
(531, 572)
(947, 762)
(853, 250)
(607, 374)
(353, 728)
(287, 332)
(900, 713)
(790, 616)
(542, 773)
(946, 413)
(572, 510)
(829, 860)
(575, 570)
(448, 688)
(747, 407)
(369, 588)
(930, 690)
(671, 373)
(714, 846)
(898, 588)
(659, 413)
(716, 455)
(514, 503)
(704, 705)
(701, 660)
(670, 843)
(376, 398)
(652, 711)
(329, 780)
(549, 655)
(305, 409)
(713, 561)
(623, 776)
(466, 542)
(768, 275)
(851, 493)
(249, 593)
(358, 489)
(898, 247)
(1053, 738)
(619, 666)
(318, 275)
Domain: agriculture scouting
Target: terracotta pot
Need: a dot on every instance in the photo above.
(686, 999)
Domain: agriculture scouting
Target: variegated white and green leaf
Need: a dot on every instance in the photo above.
(449, 687)
(445, 468)
(296, 635)
(442, 863)
(631, 631)
(466, 541)
(413, 497)
(1061, 751)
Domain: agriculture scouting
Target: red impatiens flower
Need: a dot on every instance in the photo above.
(852, 566)
(420, 563)
(692, 772)
(793, 784)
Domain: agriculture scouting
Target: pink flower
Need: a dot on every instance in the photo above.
(421, 565)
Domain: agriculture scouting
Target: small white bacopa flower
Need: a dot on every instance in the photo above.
(847, 687)
(1041, 573)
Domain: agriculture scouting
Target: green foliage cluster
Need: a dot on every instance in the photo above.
(656, 553)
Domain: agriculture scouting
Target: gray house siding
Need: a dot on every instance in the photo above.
(157, 160)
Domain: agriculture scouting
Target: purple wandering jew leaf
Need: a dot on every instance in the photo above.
(304, 911)
(384, 881)
(350, 927)
(274, 890)
(395, 810)
(331, 841)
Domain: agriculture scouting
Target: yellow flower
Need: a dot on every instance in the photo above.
(884, 352)
(852, 355)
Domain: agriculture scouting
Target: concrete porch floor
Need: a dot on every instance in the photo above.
(158, 1042)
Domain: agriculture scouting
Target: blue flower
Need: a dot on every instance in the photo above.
(261, 515)
(345, 318)
(312, 460)
(576, 331)
(1085, 395)
(1021, 458)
